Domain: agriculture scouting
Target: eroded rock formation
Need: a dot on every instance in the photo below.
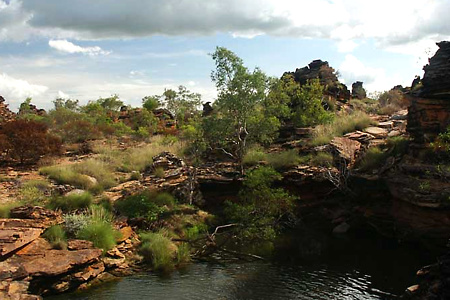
(358, 90)
(5, 114)
(327, 76)
(429, 113)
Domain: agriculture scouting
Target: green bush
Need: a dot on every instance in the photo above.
(71, 202)
(323, 159)
(56, 237)
(284, 159)
(164, 199)
(66, 175)
(73, 223)
(183, 253)
(101, 234)
(254, 156)
(140, 206)
(5, 209)
(373, 159)
(157, 250)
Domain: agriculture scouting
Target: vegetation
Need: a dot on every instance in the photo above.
(71, 202)
(28, 140)
(261, 208)
(56, 237)
(341, 125)
(285, 159)
(100, 233)
(158, 250)
(147, 205)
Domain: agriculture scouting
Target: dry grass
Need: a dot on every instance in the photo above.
(341, 125)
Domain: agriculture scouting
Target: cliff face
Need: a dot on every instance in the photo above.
(429, 113)
(327, 76)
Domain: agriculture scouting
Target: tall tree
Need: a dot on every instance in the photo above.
(182, 103)
(240, 111)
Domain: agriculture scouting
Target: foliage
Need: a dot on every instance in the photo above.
(182, 103)
(66, 175)
(341, 125)
(157, 250)
(285, 159)
(261, 207)
(442, 143)
(307, 105)
(254, 156)
(151, 102)
(97, 169)
(28, 140)
(240, 117)
(73, 223)
(373, 159)
(145, 205)
(71, 202)
(56, 237)
(323, 159)
(5, 209)
(100, 233)
(31, 194)
(159, 172)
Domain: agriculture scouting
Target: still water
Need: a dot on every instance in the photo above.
(304, 268)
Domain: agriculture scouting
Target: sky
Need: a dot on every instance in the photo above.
(88, 49)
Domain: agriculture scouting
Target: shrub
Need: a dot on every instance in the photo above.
(284, 159)
(66, 175)
(31, 195)
(28, 140)
(254, 156)
(341, 125)
(183, 253)
(56, 236)
(79, 131)
(159, 172)
(5, 209)
(73, 223)
(101, 234)
(157, 250)
(373, 159)
(97, 169)
(164, 199)
(71, 202)
(140, 206)
(323, 159)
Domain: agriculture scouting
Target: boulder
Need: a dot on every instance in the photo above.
(377, 132)
(358, 90)
(346, 149)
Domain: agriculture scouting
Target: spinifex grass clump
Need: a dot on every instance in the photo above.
(100, 233)
(284, 159)
(158, 250)
(71, 202)
(56, 236)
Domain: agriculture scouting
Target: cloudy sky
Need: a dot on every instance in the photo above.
(88, 49)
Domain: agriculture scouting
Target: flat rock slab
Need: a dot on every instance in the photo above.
(56, 262)
(346, 148)
(13, 238)
(377, 131)
(388, 124)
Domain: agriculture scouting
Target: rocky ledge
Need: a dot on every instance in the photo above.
(30, 267)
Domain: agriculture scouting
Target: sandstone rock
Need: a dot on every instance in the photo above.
(341, 228)
(14, 238)
(79, 245)
(394, 133)
(16, 290)
(5, 114)
(42, 217)
(125, 234)
(362, 137)
(386, 125)
(429, 112)
(89, 272)
(114, 253)
(346, 148)
(358, 90)
(377, 132)
(76, 192)
(56, 262)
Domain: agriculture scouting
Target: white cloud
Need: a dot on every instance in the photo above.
(17, 90)
(374, 79)
(68, 47)
(345, 46)
(63, 95)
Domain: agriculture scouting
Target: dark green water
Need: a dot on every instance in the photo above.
(322, 267)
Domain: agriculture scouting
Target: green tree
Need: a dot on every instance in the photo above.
(182, 103)
(68, 104)
(240, 116)
(261, 208)
(151, 102)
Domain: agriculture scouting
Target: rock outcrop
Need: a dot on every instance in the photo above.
(327, 76)
(358, 90)
(429, 113)
(5, 114)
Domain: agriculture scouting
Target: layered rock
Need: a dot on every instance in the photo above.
(429, 113)
(358, 90)
(5, 114)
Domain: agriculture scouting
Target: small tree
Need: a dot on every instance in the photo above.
(28, 140)
(182, 103)
(151, 102)
(240, 112)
